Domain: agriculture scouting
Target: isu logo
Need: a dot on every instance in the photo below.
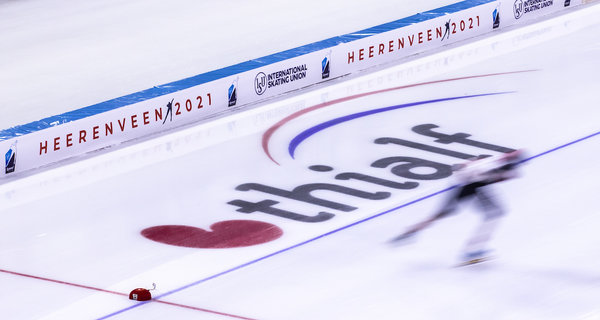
(260, 83)
(518, 9)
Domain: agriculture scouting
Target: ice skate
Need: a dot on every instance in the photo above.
(476, 257)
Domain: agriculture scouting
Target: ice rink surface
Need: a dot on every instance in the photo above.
(77, 238)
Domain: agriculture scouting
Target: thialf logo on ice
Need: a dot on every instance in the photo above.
(405, 163)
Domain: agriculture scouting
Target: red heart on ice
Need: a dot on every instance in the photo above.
(224, 234)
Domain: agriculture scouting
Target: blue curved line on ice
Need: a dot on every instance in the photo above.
(297, 140)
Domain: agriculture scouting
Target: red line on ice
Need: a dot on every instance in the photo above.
(61, 282)
(120, 293)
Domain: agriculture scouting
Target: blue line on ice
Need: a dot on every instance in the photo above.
(330, 233)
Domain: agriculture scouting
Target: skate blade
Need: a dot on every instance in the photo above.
(473, 261)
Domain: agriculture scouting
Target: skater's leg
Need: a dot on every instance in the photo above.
(492, 212)
(477, 245)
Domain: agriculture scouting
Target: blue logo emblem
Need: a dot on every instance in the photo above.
(325, 68)
(496, 17)
(10, 159)
(232, 94)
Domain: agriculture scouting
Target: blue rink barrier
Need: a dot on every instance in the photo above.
(179, 85)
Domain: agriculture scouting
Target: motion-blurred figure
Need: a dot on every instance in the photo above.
(169, 111)
(474, 178)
